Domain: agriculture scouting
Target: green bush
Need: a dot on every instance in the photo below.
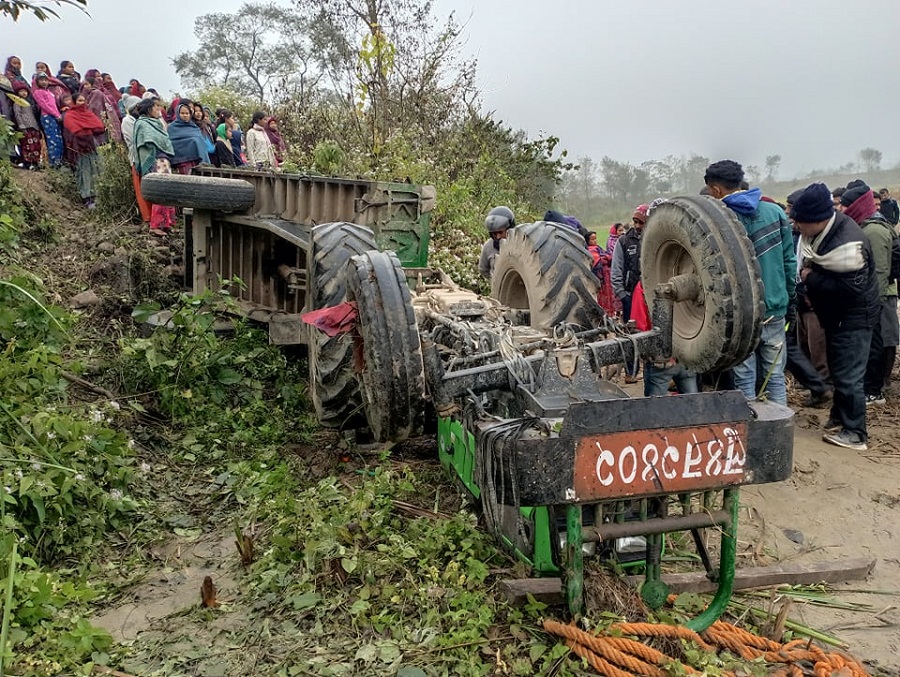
(65, 471)
(115, 191)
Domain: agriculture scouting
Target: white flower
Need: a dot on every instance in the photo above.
(79, 477)
(96, 416)
(115, 495)
(131, 444)
(51, 435)
(114, 405)
(36, 466)
(145, 467)
(8, 490)
(18, 474)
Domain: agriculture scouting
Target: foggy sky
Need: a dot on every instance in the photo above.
(631, 79)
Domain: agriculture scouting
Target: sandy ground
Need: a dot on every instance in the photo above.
(846, 505)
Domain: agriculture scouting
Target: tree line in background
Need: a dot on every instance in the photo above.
(607, 190)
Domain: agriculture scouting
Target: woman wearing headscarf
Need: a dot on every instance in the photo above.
(260, 154)
(55, 85)
(69, 77)
(279, 147)
(224, 149)
(236, 137)
(615, 231)
(25, 117)
(110, 91)
(153, 151)
(13, 72)
(98, 102)
(128, 104)
(188, 142)
(82, 129)
(51, 118)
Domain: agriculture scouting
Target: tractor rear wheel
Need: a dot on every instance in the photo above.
(391, 376)
(545, 267)
(699, 236)
(332, 383)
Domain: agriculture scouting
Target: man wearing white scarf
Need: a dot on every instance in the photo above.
(839, 273)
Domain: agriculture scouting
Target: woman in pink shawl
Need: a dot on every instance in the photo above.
(615, 231)
(56, 86)
(278, 144)
(111, 91)
(99, 104)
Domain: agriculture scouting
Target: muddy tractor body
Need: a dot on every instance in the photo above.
(563, 463)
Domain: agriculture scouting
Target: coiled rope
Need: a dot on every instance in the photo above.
(615, 654)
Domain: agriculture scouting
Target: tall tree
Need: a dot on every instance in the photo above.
(773, 162)
(394, 66)
(871, 159)
(263, 50)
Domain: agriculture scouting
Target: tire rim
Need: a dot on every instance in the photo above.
(513, 292)
(673, 259)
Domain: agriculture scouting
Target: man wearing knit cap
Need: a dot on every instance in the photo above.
(625, 271)
(861, 205)
(839, 273)
(806, 359)
(769, 231)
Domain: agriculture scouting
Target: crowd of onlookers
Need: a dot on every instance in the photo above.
(64, 119)
(829, 266)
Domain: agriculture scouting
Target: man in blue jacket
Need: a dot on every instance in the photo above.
(769, 231)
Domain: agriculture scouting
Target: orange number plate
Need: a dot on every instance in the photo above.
(646, 462)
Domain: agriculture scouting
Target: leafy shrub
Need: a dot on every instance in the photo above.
(115, 191)
(193, 370)
(65, 471)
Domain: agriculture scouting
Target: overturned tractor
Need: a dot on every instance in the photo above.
(564, 463)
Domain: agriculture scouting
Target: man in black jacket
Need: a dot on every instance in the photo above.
(889, 207)
(839, 274)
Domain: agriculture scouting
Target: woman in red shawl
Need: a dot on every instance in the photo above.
(614, 304)
(278, 144)
(600, 267)
(82, 127)
(111, 91)
(99, 104)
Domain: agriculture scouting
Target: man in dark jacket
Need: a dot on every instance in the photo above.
(861, 205)
(839, 273)
(889, 207)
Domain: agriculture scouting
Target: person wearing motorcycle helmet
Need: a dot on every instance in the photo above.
(499, 220)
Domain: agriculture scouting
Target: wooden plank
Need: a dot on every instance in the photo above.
(550, 591)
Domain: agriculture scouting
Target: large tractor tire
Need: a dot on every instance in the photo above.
(199, 192)
(545, 267)
(700, 236)
(332, 383)
(391, 376)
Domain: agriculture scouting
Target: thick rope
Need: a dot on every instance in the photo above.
(618, 656)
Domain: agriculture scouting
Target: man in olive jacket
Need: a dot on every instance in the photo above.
(859, 203)
(838, 270)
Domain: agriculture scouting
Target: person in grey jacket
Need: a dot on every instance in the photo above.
(499, 220)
